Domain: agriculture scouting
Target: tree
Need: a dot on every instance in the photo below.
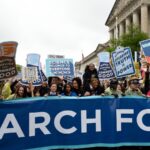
(130, 39)
(18, 68)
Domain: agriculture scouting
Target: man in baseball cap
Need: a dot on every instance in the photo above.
(133, 88)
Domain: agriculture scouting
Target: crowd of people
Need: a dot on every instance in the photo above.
(89, 85)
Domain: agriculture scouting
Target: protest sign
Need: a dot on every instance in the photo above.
(68, 79)
(7, 60)
(36, 82)
(57, 123)
(123, 62)
(145, 45)
(56, 56)
(44, 78)
(33, 59)
(59, 67)
(7, 67)
(137, 69)
(8, 49)
(29, 74)
(105, 70)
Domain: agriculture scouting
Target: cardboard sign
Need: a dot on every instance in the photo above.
(7, 67)
(8, 49)
(105, 70)
(123, 62)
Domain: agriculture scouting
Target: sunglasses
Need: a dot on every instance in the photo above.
(135, 82)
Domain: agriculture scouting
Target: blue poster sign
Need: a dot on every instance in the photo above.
(145, 45)
(33, 59)
(59, 67)
(105, 70)
(123, 62)
(57, 122)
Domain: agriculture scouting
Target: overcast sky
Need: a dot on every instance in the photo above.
(63, 27)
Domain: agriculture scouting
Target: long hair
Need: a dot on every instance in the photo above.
(65, 92)
(78, 80)
(17, 90)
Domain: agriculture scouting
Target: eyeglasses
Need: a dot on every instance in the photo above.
(135, 82)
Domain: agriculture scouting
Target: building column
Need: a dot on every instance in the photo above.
(128, 23)
(111, 33)
(144, 18)
(136, 20)
(121, 29)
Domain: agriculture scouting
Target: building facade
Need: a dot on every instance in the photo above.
(128, 12)
(123, 14)
(91, 58)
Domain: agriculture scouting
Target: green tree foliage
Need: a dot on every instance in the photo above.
(130, 39)
(113, 44)
(18, 68)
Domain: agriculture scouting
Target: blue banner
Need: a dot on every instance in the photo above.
(123, 62)
(70, 122)
(59, 67)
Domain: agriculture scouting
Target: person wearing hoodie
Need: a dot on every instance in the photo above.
(90, 72)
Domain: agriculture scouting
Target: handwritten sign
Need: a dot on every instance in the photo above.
(7, 67)
(29, 74)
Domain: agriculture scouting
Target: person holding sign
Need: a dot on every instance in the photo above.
(90, 72)
(19, 93)
(44, 89)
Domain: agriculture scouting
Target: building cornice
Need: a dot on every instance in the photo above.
(124, 13)
(117, 9)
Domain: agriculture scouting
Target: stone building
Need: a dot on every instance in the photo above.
(91, 58)
(127, 12)
(123, 14)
